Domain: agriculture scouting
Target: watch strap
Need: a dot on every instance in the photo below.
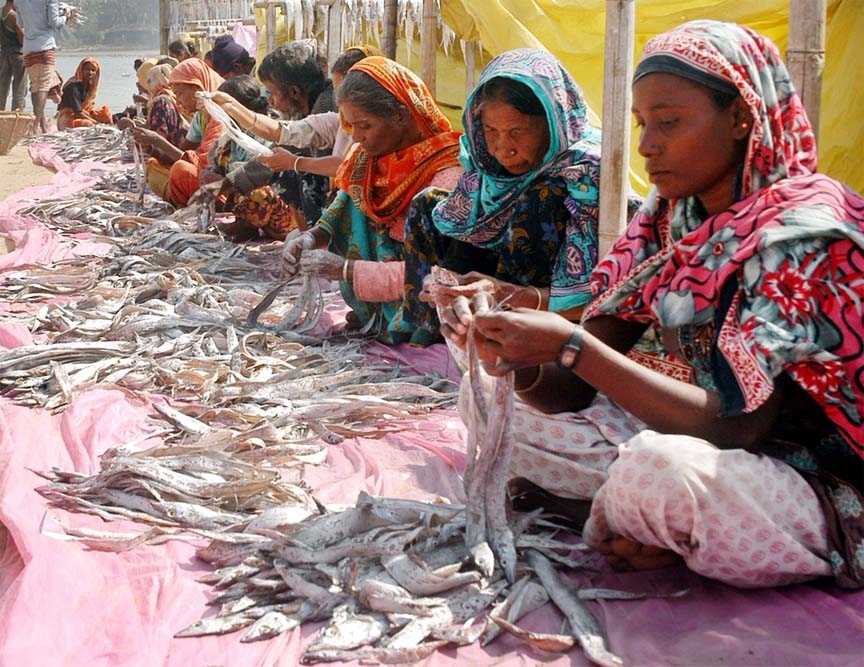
(571, 350)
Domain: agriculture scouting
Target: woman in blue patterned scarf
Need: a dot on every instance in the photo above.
(522, 221)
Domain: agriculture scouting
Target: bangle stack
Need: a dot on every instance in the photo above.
(296, 160)
(534, 384)
(539, 297)
(345, 271)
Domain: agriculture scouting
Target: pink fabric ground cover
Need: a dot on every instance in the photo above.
(64, 605)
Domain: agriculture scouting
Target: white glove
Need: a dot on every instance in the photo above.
(293, 249)
(322, 263)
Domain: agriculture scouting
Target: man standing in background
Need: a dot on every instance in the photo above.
(12, 72)
(39, 19)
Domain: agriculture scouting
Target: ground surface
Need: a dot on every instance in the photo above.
(18, 172)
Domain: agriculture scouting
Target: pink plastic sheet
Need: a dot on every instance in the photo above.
(66, 606)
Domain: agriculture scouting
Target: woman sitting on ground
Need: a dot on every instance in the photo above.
(745, 463)
(252, 211)
(317, 134)
(163, 113)
(522, 221)
(295, 74)
(77, 107)
(175, 174)
(403, 143)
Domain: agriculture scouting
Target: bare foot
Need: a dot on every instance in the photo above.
(352, 322)
(625, 554)
(526, 496)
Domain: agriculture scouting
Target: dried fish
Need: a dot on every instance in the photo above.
(586, 630)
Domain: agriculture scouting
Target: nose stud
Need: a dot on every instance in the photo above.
(513, 152)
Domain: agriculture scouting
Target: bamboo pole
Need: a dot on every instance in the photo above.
(164, 28)
(388, 36)
(805, 55)
(334, 30)
(468, 48)
(429, 44)
(269, 7)
(271, 27)
(615, 154)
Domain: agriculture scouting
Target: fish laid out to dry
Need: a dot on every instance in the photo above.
(99, 143)
(395, 579)
(246, 388)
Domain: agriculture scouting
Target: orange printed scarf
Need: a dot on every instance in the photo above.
(382, 186)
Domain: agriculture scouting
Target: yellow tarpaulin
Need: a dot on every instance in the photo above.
(574, 31)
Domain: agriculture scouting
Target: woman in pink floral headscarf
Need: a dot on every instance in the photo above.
(749, 268)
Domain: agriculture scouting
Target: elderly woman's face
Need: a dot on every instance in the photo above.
(517, 140)
(185, 93)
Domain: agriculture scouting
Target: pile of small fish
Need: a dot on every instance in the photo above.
(99, 143)
(252, 392)
(93, 210)
(394, 581)
(398, 579)
(196, 488)
(174, 311)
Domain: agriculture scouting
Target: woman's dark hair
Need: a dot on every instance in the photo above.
(512, 92)
(246, 90)
(361, 90)
(722, 99)
(247, 62)
(295, 64)
(346, 60)
(177, 46)
(180, 46)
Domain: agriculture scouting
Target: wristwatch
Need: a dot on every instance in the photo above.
(570, 351)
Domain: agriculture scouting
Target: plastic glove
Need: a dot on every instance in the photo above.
(292, 251)
(322, 263)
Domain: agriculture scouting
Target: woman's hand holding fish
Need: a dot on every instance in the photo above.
(148, 139)
(322, 263)
(458, 315)
(469, 284)
(293, 250)
(281, 160)
(510, 339)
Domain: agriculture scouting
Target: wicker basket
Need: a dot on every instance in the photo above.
(13, 126)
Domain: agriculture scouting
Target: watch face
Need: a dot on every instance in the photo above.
(568, 356)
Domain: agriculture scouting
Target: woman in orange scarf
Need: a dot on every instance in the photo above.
(403, 144)
(77, 106)
(175, 176)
